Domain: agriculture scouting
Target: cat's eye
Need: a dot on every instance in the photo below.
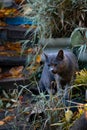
(55, 64)
(48, 65)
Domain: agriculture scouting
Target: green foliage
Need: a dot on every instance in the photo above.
(1, 103)
(1, 5)
(79, 36)
(79, 40)
(57, 18)
(81, 77)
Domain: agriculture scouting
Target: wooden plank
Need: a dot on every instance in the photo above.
(12, 61)
(10, 83)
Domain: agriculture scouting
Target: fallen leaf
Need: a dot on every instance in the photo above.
(7, 12)
(13, 46)
(8, 118)
(3, 24)
(5, 75)
(38, 58)
(2, 48)
(17, 76)
(2, 123)
(14, 71)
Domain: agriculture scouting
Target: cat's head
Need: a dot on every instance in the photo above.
(55, 63)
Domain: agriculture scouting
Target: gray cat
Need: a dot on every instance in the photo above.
(58, 72)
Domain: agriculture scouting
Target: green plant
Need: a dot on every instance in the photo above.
(79, 41)
(57, 18)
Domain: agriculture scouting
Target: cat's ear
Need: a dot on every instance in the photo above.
(46, 56)
(60, 55)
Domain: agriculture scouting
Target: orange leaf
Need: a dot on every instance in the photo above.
(2, 48)
(2, 123)
(30, 50)
(17, 76)
(8, 118)
(5, 75)
(2, 23)
(38, 59)
(16, 70)
(14, 47)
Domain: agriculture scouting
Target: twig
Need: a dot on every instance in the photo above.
(61, 108)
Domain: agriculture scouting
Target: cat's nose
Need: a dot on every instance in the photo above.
(54, 71)
(51, 69)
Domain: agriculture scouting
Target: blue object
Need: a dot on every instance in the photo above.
(18, 21)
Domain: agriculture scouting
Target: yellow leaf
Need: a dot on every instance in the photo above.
(68, 115)
(80, 109)
(85, 107)
(38, 58)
